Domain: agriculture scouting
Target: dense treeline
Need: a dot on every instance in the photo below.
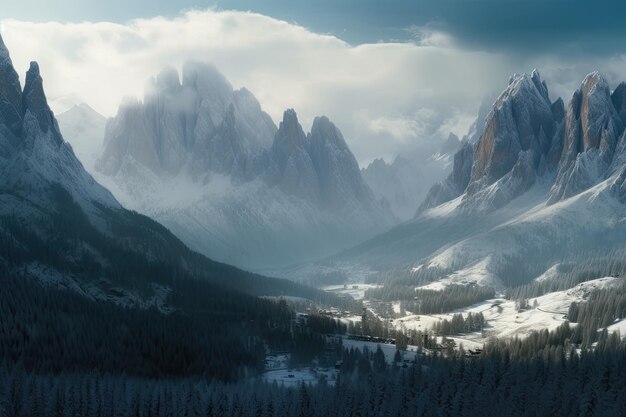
(601, 309)
(568, 275)
(374, 326)
(606, 258)
(421, 301)
(497, 383)
(459, 324)
(323, 324)
(450, 298)
(549, 346)
(346, 303)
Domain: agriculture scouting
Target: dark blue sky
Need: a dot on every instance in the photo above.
(522, 25)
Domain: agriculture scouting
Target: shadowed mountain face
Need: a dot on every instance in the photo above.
(542, 182)
(205, 160)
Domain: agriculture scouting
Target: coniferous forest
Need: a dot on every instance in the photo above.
(548, 381)
(63, 355)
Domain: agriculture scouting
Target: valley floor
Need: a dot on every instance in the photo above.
(504, 320)
(502, 316)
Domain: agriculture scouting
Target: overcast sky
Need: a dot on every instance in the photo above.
(395, 76)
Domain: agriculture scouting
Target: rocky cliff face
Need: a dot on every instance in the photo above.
(35, 104)
(291, 167)
(527, 138)
(456, 183)
(592, 130)
(198, 126)
(521, 120)
(338, 173)
(619, 101)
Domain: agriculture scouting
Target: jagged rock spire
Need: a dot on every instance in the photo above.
(34, 102)
(337, 170)
(592, 130)
(292, 168)
(10, 92)
(521, 120)
(290, 139)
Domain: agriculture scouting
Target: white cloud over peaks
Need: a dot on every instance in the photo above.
(386, 98)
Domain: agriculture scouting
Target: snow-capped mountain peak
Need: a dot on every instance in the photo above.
(35, 158)
(521, 120)
(240, 182)
(34, 103)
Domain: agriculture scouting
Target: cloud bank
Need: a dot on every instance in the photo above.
(387, 98)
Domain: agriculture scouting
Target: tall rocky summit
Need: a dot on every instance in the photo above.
(291, 167)
(592, 130)
(206, 160)
(526, 137)
(33, 154)
(199, 125)
(317, 166)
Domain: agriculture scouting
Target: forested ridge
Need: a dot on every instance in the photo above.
(213, 332)
(136, 253)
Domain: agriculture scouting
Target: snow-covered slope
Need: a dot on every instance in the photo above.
(545, 185)
(504, 320)
(207, 162)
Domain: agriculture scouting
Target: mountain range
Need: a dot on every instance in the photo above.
(541, 185)
(207, 162)
(60, 227)
(532, 179)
